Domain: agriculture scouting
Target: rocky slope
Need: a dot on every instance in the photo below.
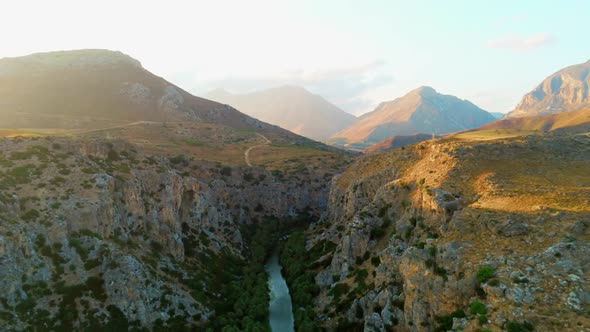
(564, 91)
(96, 233)
(422, 110)
(571, 122)
(395, 142)
(459, 234)
(88, 89)
(292, 108)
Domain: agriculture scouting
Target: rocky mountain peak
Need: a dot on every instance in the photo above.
(424, 91)
(564, 91)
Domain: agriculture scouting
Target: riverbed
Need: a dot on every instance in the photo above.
(280, 308)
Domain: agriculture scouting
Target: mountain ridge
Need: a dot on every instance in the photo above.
(565, 90)
(291, 107)
(422, 110)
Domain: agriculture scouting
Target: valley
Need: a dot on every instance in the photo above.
(136, 206)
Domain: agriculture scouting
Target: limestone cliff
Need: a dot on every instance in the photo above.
(462, 235)
(95, 229)
(564, 91)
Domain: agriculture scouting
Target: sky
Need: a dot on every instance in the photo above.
(354, 53)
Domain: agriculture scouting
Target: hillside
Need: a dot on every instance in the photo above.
(88, 89)
(103, 234)
(458, 234)
(422, 110)
(570, 122)
(564, 91)
(292, 108)
(395, 142)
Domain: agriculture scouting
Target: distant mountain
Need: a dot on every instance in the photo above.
(85, 89)
(292, 108)
(564, 91)
(572, 122)
(395, 142)
(422, 110)
(497, 115)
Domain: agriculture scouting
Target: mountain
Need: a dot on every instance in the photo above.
(292, 108)
(563, 91)
(128, 204)
(444, 235)
(99, 88)
(396, 141)
(575, 121)
(497, 115)
(422, 110)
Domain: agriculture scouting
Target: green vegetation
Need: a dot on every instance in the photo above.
(485, 273)
(297, 262)
(514, 326)
(478, 308)
(244, 299)
(445, 323)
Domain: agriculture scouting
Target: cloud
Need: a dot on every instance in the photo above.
(522, 43)
(343, 86)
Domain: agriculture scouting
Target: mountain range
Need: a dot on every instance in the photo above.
(290, 107)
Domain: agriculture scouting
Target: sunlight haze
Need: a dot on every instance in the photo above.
(356, 54)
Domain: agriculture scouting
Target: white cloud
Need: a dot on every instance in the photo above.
(522, 43)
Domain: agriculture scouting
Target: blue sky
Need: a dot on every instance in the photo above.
(354, 53)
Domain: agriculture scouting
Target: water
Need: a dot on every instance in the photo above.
(280, 309)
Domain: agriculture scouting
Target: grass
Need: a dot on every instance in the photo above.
(486, 135)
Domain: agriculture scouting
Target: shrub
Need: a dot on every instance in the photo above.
(376, 261)
(339, 290)
(225, 171)
(485, 273)
(514, 326)
(478, 308)
(483, 319)
(30, 215)
(446, 322)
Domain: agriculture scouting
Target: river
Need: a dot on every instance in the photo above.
(280, 309)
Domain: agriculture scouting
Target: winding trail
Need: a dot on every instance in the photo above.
(247, 152)
(109, 128)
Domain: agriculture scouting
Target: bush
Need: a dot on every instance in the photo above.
(478, 308)
(30, 215)
(485, 273)
(514, 326)
(339, 290)
(483, 319)
(225, 171)
(446, 322)
(376, 261)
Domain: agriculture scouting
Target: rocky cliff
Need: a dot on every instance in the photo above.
(459, 235)
(95, 232)
(564, 91)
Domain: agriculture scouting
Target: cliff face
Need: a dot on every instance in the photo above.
(563, 91)
(459, 234)
(99, 227)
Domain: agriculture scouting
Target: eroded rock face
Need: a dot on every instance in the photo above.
(116, 227)
(436, 233)
(564, 91)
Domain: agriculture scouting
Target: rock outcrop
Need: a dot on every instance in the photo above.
(100, 229)
(445, 227)
(563, 91)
